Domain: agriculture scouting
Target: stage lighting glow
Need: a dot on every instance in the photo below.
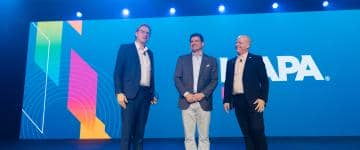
(221, 8)
(325, 3)
(172, 11)
(275, 5)
(78, 14)
(125, 12)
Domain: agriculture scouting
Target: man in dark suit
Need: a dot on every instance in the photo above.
(134, 87)
(247, 87)
(195, 79)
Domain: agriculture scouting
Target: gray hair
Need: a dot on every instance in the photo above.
(244, 36)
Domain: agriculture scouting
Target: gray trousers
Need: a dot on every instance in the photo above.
(194, 117)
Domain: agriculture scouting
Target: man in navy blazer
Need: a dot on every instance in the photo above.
(246, 88)
(134, 87)
(196, 78)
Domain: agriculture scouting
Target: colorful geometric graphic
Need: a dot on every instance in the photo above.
(77, 25)
(68, 71)
(48, 48)
(47, 58)
(82, 98)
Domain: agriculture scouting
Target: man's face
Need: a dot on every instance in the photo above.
(196, 44)
(143, 34)
(242, 45)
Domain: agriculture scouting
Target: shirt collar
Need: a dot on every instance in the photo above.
(244, 56)
(200, 54)
(139, 49)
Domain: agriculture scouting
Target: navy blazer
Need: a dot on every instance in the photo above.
(207, 82)
(127, 72)
(255, 80)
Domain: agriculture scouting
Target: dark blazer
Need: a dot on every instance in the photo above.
(255, 80)
(208, 79)
(127, 72)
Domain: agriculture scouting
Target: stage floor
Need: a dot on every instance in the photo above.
(275, 143)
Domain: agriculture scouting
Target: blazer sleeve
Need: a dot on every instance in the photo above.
(152, 82)
(119, 67)
(229, 75)
(264, 80)
(178, 77)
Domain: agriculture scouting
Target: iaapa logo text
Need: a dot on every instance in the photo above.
(305, 67)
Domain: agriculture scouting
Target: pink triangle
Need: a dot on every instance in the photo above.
(77, 25)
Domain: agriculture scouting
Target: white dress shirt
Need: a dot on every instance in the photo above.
(238, 86)
(145, 65)
(196, 62)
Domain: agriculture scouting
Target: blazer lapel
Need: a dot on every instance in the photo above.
(232, 67)
(247, 63)
(202, 65)
(189, 59)
(135, 56)
(151, 61)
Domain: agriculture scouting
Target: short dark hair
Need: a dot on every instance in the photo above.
(143, 25)
(197, 35)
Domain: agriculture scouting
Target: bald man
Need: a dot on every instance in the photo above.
(247, 88)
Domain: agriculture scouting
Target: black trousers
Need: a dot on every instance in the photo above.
(251, 123)
(133, 120)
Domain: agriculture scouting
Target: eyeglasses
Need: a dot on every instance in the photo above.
(144, 32)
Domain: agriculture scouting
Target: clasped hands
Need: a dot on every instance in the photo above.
(196, 97)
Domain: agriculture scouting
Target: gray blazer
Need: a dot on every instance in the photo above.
(208, 79)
